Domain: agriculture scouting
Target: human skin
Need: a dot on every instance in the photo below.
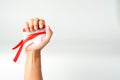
(32, 69)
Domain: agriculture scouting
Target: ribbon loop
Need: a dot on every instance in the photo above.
(22, 42)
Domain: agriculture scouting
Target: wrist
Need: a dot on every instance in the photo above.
(35, 53)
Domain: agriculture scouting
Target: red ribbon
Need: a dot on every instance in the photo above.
(22, 42)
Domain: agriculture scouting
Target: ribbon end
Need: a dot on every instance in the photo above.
(13, 48)
(14, 60)
(17, 45)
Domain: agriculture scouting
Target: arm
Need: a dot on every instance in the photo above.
(33, 66)
(33, 52)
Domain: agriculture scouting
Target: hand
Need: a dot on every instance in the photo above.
(33, 25)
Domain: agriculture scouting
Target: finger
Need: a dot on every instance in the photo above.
(31, 26)
(36, 23)
(41, 23)
(26, 27)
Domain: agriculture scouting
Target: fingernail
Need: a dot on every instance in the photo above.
(27, 30)
(24, 30)
(40, 25)
(35, 27)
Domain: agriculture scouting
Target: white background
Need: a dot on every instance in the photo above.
(85, 44)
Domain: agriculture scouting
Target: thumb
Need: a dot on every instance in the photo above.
(48, 33)
(47, 37)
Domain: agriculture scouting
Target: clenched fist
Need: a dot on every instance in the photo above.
(33, 25)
